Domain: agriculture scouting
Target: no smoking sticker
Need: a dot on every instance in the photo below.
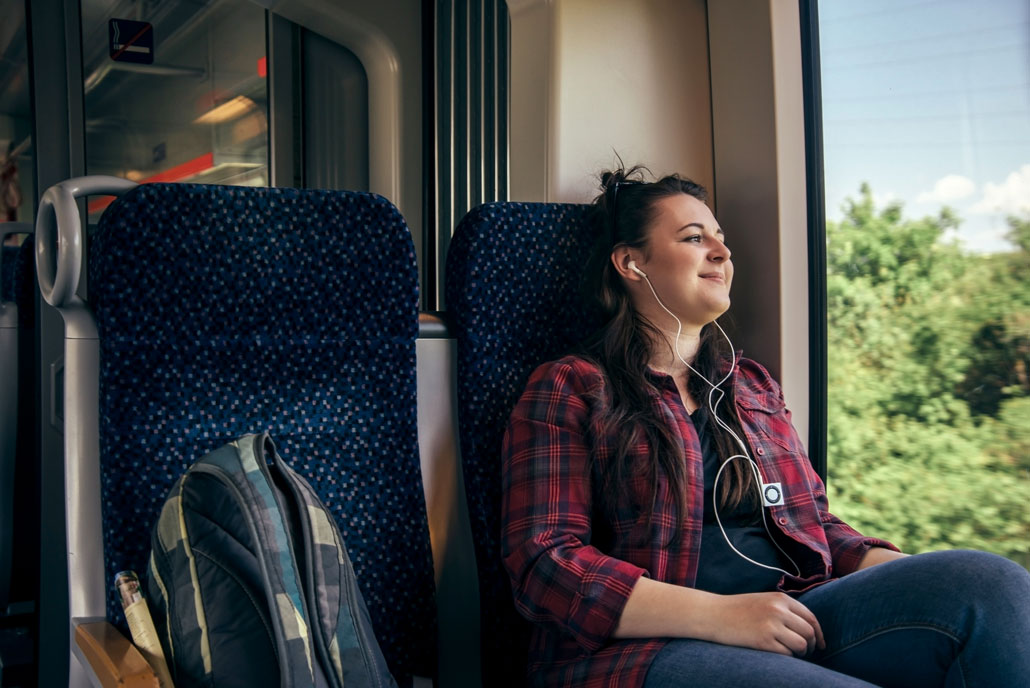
(131, 41)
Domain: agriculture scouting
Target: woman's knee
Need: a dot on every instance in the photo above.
(982, 578)
(980, 568)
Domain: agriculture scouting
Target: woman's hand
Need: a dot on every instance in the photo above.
(770, 621)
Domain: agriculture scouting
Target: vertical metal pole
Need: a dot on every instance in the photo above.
(502, 76)
(283, 155)
(445, 135)
(55, 68)
(431, 269)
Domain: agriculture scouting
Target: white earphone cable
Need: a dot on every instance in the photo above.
(712, 406)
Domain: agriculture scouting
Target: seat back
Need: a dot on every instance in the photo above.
(514, 299)
(223, 311)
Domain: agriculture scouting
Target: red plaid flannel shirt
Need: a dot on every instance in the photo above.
(572, 591)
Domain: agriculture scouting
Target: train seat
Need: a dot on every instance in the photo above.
(221, 311)
(513, 298)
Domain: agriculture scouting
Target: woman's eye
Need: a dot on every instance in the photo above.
(696, 238)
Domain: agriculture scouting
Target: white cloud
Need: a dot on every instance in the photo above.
(982, 234)
(1011, 197)
(948, 189)
(882, 200)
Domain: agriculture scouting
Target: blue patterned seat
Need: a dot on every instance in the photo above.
(514, 299)
(223, 311)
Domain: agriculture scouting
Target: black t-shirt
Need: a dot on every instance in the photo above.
(720, 569)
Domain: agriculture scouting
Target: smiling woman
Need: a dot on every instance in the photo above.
(686, 247)
(637, 567)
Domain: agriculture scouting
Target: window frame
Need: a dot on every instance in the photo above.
(816, 187)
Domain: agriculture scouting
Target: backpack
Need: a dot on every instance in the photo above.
(249, 583)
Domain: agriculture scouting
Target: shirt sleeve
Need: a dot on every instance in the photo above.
(558, 578)
(847, 545)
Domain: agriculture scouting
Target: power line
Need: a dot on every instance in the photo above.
(892, 9)
(927, 118)
(852, 143)
(919, 58)
(963, 35)
(943, 91)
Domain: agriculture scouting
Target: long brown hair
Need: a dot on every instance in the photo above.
(623, 213)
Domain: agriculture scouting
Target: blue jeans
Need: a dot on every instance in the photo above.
(954, 619)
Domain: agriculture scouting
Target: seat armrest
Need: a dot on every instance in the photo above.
(114, 660)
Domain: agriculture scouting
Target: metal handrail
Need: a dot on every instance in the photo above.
(59, 248)
(59, 242)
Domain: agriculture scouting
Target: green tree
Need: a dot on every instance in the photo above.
(928, 403)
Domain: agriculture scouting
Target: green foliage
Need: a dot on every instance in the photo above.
(929, 382)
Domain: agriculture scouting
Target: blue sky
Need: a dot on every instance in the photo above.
(929, 102)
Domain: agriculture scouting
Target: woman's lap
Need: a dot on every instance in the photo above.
(686, 662)
(956, 618)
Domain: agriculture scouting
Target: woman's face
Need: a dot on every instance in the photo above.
(688, 263)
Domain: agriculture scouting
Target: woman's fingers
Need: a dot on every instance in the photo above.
(773, 621)
(806, 614)
(795, 643)
(800, 629)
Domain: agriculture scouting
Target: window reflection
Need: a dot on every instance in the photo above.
(198, 113)
(16, 161)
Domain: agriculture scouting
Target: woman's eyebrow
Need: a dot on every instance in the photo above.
(699, 225)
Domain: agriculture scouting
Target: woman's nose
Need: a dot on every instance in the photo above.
(719, 251)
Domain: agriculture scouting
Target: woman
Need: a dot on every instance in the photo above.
(663, 526)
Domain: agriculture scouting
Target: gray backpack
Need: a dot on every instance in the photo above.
(249, 583)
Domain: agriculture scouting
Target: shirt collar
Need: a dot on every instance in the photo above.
(751, 391)
(666, 379)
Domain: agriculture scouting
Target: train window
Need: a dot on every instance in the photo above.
(16, 151)
(926, 121)
(176, 91)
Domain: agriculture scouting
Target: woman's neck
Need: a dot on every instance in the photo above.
(663, 358)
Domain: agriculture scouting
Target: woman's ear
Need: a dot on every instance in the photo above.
(622, 257)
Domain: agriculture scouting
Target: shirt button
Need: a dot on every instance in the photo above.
(782, 521)
(761, 451)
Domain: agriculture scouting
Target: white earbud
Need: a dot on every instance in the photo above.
(633, 266)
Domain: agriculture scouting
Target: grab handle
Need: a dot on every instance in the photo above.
(59, 234)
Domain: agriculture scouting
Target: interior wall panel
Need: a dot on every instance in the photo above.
(472, 48)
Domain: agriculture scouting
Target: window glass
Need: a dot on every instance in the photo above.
(184, 100)
(16, 151)
(926, 109)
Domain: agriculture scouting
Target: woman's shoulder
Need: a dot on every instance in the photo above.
(570, 383)
(572, 370)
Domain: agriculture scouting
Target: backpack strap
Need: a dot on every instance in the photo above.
(269, 518)
(343, 632)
